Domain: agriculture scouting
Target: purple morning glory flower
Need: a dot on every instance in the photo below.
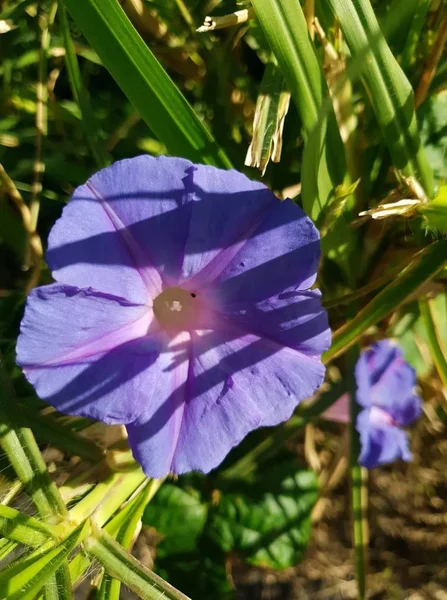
(385, 390)
(182, 309)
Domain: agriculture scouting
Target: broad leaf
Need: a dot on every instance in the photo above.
(269, 521)
(179, 516)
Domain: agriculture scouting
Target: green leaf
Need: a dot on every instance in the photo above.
(144, 81)
(424, 266)
(23, 578)
(389, 91)
(268, 522)
(21, 528)
(123, 566)
(179, 516)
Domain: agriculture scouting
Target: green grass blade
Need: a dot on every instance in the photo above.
(21, 528)
(284, 25)
(424, 266)
(144, 81)
(80, 93)
(24, 455)
(434, 337)
(123, 566)
(414, 34)
(124, 527)
(6, 547)
(23, 578)
(389, 90)
(107, 496)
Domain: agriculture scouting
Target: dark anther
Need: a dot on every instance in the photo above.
(193, 295)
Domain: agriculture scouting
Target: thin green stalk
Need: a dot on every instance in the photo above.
(184, 11)
(433, 335)
(414, 33)
(6, 547)
(79, 92)
(9, 491)
(358, 497)
(45, 21)
(358, 487)
(25, 577)
(21, 528)
(57, 588)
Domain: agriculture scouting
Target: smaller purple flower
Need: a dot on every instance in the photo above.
(385, 390)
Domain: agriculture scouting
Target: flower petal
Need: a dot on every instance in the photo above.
(294, 318)
(138, 216)
(380, 445)
(153, 437)
(281, 255)
(227, 208)
(386, 380)
(237, 384)
(87, 353)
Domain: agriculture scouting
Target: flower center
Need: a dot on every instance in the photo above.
(175, 308)
(379, 417)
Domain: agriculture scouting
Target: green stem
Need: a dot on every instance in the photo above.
(107, 496)
(24, 455)
(358, 487)
(124, 527)
(123, 566)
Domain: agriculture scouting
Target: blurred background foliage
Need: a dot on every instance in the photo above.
(210, 535)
